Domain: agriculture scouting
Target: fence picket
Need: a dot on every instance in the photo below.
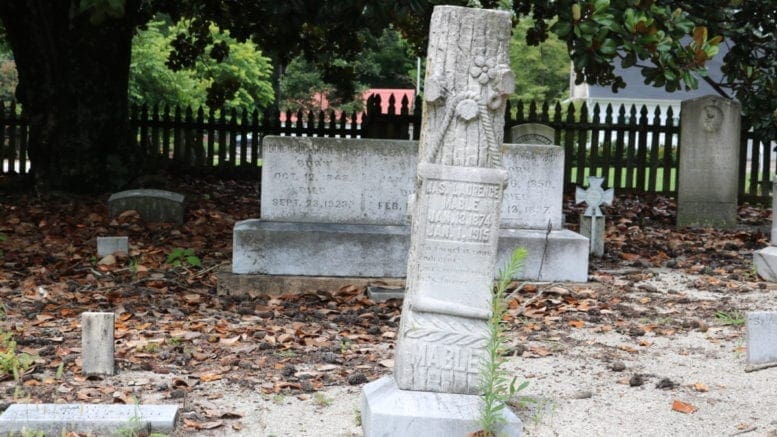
(633, 149)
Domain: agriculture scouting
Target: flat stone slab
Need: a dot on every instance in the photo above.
(152, 205)
(388, 411)
(232, 284)
(96, 419)
(762, 337)
(111, 245)
(372, 251)
(378, 293)
(765, 261)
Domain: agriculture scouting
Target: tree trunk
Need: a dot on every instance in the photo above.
(73, 80)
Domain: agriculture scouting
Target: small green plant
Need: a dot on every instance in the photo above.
(322, 400)
(12, 362)
(180, 256)
(133, 266)
(279, 399)
(288, 353)
(175, 341)
(734, 318)
(497, 386)
(3, 237)
(60, 371)
(3, 311)
(357, 416)
(345, 345)
(152, 347)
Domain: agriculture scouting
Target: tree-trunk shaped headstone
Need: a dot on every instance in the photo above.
(455, 216)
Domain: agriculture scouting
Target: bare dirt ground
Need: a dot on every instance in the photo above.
(659, 322)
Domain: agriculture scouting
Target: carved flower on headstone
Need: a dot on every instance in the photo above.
(483, 69)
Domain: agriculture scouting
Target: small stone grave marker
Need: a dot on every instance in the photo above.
(97, 343)
(762, 337)
(533, 133)
(92, 419)
(152, 205)
(111, 245)
(592, 220)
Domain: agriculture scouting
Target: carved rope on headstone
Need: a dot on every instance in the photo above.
(456, 211)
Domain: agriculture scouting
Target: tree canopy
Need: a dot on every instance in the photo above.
(73, 57)
(244, 71)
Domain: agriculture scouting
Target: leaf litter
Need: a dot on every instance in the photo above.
(172, 323)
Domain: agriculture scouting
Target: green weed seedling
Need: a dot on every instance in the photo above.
(12, 362)
(180, 257)
(733, 318)
(498, 388)
(322, 400)
(3, 237)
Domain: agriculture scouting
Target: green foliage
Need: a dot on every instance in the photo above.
(9, 79)
(3, 237)
(734, 318)
(12, 362)
(384, 62)
(180, 256)
(542, 71)
(497, 386)
(239, 78)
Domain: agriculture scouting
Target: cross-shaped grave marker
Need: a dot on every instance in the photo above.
(592, 219)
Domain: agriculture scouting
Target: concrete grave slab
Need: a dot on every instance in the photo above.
(311, 249)
(93, 419)
(152, 205)
(762, 337)
(388, 411)
(765, 261)
(111, 245)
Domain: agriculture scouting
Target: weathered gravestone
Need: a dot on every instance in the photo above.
(111, 245)
(708, 174)
(92, 419)
(454, 237)
(765, 260)
(533, 133)
(97, 346)
(345, 199)
(762, 337)
(592, 220)
(152, 205)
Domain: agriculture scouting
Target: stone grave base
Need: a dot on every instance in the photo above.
(379, 251)
(93, 419)
(765, 261)
(232, 284)
(388, 411)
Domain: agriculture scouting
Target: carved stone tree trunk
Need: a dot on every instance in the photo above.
(453, 242)
(455, 214)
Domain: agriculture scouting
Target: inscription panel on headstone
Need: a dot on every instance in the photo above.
(333, 180)
(445, 331)
(762, 337)
(534, 195)
(367, 181)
